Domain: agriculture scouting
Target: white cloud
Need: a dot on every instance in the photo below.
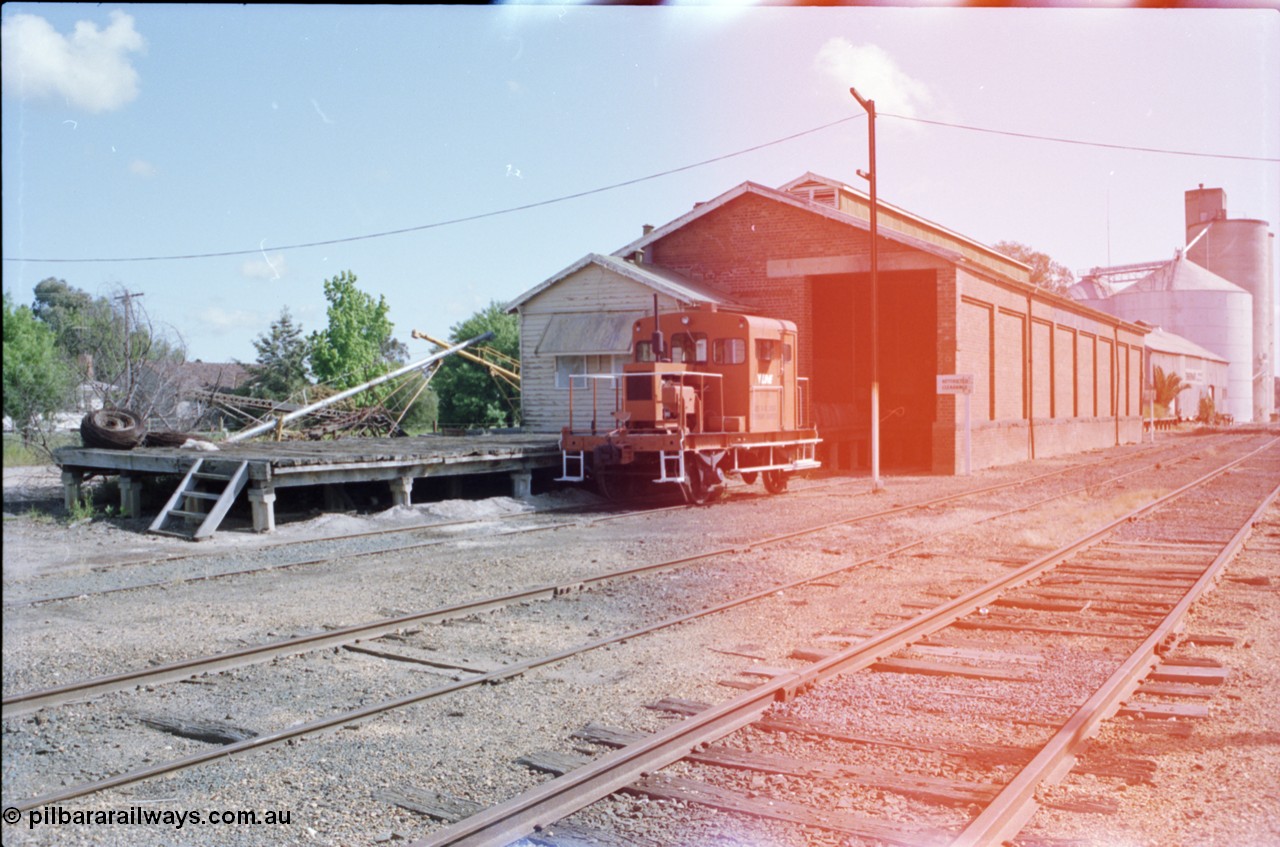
(91, 69)
(267, 267)
(871, 70)
(142, 168)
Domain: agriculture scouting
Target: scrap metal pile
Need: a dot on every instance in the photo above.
(120, 429)
(369, 421)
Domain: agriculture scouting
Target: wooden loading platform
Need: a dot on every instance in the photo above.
(208, 482)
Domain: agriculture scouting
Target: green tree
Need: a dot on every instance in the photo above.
(422, 402)
(85, 327)
(37, 380)
(64, 308)
(350, 350)
(114, 346)
(281, 368)
(469, 395)
(1045, 272)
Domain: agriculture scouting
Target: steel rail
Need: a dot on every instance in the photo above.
(30, 701)
(622, 514)
(551, 801)
(318, 560)
(1015, 804)
(800, 680)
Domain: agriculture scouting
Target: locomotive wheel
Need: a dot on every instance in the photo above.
(704, 482)
(775, 482)
(749, 477)
(616, 484)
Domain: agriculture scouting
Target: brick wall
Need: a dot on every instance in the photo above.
(1063, 403)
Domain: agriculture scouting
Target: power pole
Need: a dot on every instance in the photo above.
(877, 484)
(127, 297)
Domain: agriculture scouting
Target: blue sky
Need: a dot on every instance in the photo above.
(145, 131)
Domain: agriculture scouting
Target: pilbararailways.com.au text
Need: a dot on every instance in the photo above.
(149, 816)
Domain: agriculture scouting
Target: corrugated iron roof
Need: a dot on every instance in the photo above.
(595, 334)
(1181, 274)
(789, 199)
(661, 280)
(809, 178)
(1160, 341)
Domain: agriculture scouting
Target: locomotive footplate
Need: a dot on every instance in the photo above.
(732, 451)
(620, 448)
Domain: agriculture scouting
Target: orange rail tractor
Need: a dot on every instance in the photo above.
(719, 399)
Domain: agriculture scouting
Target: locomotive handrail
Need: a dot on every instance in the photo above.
(616, 379)
(802, 402)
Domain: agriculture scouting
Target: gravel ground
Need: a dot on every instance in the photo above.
(464, 744)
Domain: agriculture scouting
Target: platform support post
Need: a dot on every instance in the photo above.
(522, 485)
(333, 498)
(401, 489)
(264, 510)
(454, 487)
(71, 492)
(130, 496)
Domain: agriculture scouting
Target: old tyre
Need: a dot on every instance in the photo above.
(112, 429)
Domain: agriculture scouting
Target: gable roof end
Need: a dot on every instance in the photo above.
(660, 280)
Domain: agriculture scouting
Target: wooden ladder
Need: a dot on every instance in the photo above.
(190, 493)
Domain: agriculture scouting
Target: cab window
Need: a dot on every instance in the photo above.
(766, 350)
(689, 347)
(729, 351)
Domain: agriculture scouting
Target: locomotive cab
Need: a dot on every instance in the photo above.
(720, 372)
(708, 395)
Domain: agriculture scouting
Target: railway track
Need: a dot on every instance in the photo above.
(170, 570)
(25, 702)
(515, 669)
(1130, 582)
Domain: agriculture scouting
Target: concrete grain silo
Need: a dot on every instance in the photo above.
(1188, 300)
(1239, 250)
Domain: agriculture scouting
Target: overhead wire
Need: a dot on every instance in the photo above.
(1080, 142)
(481, 216)
(635, 181)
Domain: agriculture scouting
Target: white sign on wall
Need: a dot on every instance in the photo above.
(955, 383)
(961, 384)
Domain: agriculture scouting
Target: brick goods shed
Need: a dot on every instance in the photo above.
(1050, 375)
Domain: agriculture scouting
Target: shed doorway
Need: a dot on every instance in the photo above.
(841, 309)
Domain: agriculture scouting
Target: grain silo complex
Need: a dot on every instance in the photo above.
(1239, 250)
(1218, 292)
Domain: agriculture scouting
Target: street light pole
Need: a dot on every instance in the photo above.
(877, 484)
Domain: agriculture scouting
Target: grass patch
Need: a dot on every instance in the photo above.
(21, 454)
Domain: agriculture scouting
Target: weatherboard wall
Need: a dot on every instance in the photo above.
(590, 292)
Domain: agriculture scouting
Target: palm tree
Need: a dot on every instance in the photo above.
(1168, 386)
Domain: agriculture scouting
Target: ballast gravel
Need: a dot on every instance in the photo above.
(340, 787)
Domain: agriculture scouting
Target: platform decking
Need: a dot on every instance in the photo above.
(284, 464)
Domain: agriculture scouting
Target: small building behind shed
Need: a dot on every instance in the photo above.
(577, 325)
(1204, 372)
